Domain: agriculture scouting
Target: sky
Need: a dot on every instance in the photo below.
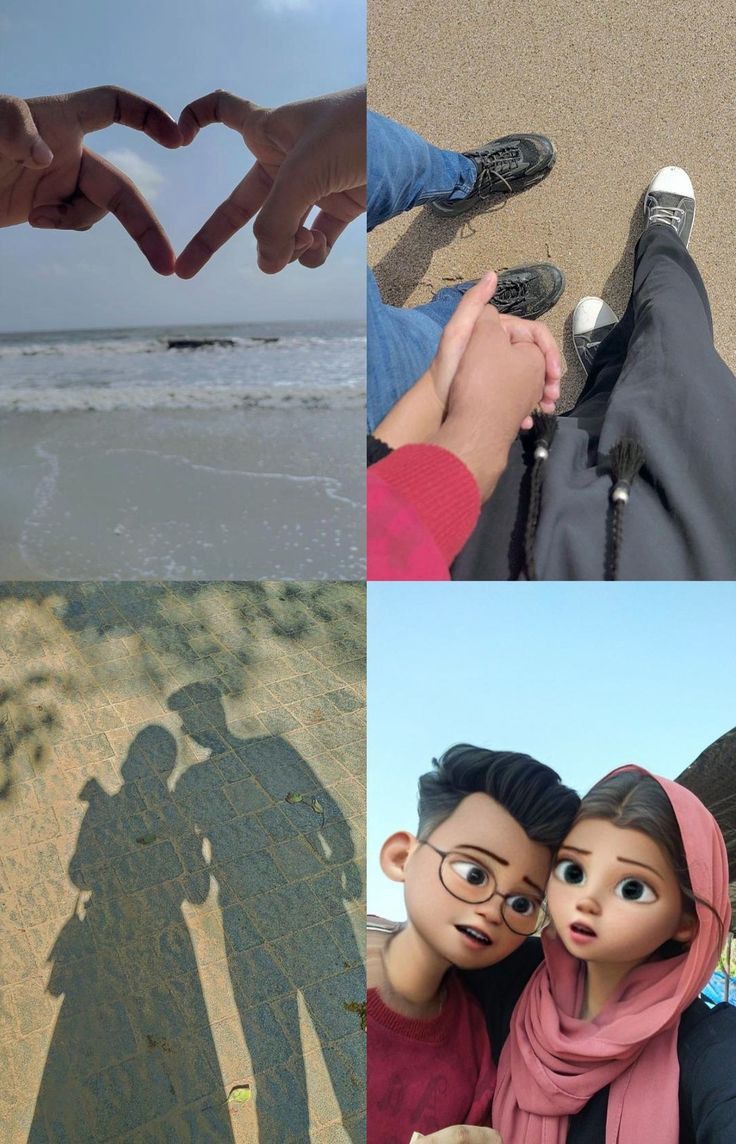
(584, 677)
(173, 51)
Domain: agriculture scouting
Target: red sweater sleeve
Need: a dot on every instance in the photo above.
(422, 506)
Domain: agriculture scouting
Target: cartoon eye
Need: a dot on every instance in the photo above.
(522, 906)
(470, 872)
(634, 890)
(570, 872)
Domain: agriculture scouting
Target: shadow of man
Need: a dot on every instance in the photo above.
(285, 869)
(130, 1045)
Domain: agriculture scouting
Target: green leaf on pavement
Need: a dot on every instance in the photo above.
(240, 1094)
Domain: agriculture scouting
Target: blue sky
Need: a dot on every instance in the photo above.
(172, 51)
(584, 677)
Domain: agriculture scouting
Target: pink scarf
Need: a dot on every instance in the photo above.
(553, 1063)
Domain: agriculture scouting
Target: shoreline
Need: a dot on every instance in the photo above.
(178, 495)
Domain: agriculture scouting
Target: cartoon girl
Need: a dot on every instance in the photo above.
(610, 1041)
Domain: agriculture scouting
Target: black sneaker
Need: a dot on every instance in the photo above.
(505, 165)
(528, 291)
(670, 199)
(592, 321)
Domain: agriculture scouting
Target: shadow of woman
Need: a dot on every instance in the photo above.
(124, 1051)
(286, 873)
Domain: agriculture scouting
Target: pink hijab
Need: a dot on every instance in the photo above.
(553, 1063)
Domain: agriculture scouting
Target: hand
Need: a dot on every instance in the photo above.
(461, 1134)
(49, 179)
(307, 154)
(458, 332)
(496, 385)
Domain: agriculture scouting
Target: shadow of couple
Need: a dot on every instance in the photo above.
(153, 1019)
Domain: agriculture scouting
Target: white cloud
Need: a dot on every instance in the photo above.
(145, 176)
(52, 270)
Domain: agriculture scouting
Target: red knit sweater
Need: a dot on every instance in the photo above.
(422, 506)
(427, 1075)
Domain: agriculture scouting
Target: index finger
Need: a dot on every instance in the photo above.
(98, 107)
(108, 188)
(237, 209)
(218, 107)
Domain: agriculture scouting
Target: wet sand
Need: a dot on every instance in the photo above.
(142, 495)
(622, 89)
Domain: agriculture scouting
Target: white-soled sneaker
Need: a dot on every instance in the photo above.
(592, 321)
(670, 199)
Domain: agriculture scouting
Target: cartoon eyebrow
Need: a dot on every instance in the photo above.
(629, 861)
(633, 862)
(502, 861)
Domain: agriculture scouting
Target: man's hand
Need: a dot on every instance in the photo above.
(307, 154)
(497, 383)
(49, 179)
(459, 330)
(460, 1134)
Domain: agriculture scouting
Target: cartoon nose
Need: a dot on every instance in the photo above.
(491, 910)
(589, 905)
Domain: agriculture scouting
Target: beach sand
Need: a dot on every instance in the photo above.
(181, 495)
(622, 89)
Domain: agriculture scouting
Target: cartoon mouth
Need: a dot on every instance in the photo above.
(580, 927)
(475, 934)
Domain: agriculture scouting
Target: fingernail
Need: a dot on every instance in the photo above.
(41, 153)
(43, 222)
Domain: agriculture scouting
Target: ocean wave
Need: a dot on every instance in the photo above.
(196, 343)
(50, 399)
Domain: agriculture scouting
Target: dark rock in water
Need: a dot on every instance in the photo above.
(197, 343)
(264, 339)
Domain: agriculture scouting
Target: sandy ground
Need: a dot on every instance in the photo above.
(622, 89)
(177, 496)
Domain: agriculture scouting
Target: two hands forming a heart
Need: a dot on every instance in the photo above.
(308, 154)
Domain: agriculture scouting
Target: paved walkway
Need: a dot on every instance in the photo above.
(181, 888)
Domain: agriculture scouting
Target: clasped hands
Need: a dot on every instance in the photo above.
(308, 154)
(490, 371)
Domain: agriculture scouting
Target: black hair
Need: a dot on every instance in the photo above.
(531, 792)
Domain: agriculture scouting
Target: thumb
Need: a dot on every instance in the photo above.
(19, 137)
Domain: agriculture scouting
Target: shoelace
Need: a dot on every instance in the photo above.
(491, 169)
(672, 216)
(509, 292)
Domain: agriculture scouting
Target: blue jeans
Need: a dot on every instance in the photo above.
(405, 171)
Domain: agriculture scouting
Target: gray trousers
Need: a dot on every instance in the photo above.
(658, 379)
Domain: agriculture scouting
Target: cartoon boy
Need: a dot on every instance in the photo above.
(474, 878)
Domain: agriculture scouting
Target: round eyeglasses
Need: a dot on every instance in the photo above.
(471, 881)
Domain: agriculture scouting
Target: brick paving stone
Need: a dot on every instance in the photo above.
(162, 906)
(277, 913)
